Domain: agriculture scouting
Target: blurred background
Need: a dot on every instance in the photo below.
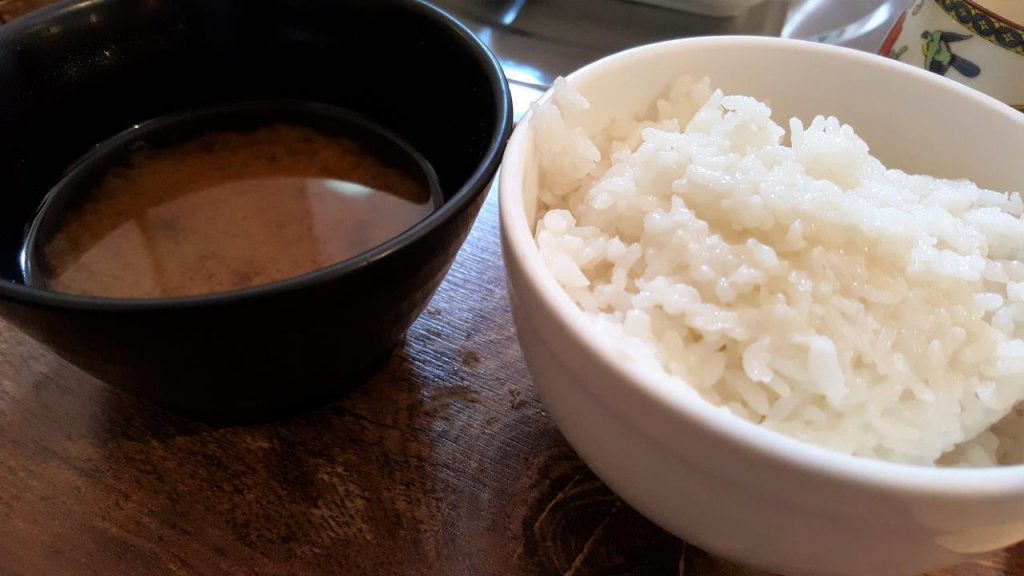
(537, 40)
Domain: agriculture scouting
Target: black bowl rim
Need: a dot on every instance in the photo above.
(475, 185)
(123, 142)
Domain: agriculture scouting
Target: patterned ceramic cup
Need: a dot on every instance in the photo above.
(977, 42)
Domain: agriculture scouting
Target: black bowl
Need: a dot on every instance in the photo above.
(76, 73)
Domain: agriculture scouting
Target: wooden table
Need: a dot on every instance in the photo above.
(444, 463)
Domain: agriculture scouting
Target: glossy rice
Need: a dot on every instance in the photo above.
(792, 279)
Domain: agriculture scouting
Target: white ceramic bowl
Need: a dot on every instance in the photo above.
(720, 482)
(975, 42)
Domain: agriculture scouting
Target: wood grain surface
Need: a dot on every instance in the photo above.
(444, 463)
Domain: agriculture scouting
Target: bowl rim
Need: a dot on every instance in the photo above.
(474, 185)
(186, 125)
(520, 246)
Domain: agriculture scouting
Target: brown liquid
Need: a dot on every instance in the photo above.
(230, 210)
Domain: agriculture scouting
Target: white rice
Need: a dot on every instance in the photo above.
(806, 287)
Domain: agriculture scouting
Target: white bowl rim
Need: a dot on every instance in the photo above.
(520, 245)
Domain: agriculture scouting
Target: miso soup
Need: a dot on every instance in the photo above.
(230, 210)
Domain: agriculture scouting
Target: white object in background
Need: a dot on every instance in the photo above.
(718, 481)
(979, 43)
(860, 24)
(718, 8)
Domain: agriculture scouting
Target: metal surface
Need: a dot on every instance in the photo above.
(538, 40)
(860, 24)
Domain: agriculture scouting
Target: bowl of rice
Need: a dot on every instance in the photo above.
(772, 292)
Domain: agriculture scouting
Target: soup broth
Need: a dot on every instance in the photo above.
(230, 210)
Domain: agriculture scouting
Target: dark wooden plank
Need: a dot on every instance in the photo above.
(444, 463)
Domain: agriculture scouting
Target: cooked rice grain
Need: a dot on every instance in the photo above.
(804, 287)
